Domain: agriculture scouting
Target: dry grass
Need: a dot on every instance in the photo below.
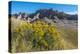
(40, 36)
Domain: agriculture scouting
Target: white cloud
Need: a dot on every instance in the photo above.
(75, 12)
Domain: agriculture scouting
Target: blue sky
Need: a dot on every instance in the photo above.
(30, 7)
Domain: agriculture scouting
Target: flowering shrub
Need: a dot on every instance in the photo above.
(35, 36)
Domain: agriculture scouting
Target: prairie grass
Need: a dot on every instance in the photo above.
(40, 36)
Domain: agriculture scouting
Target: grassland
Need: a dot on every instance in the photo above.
(40, 36)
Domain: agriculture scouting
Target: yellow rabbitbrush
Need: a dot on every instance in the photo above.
(36, 36)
